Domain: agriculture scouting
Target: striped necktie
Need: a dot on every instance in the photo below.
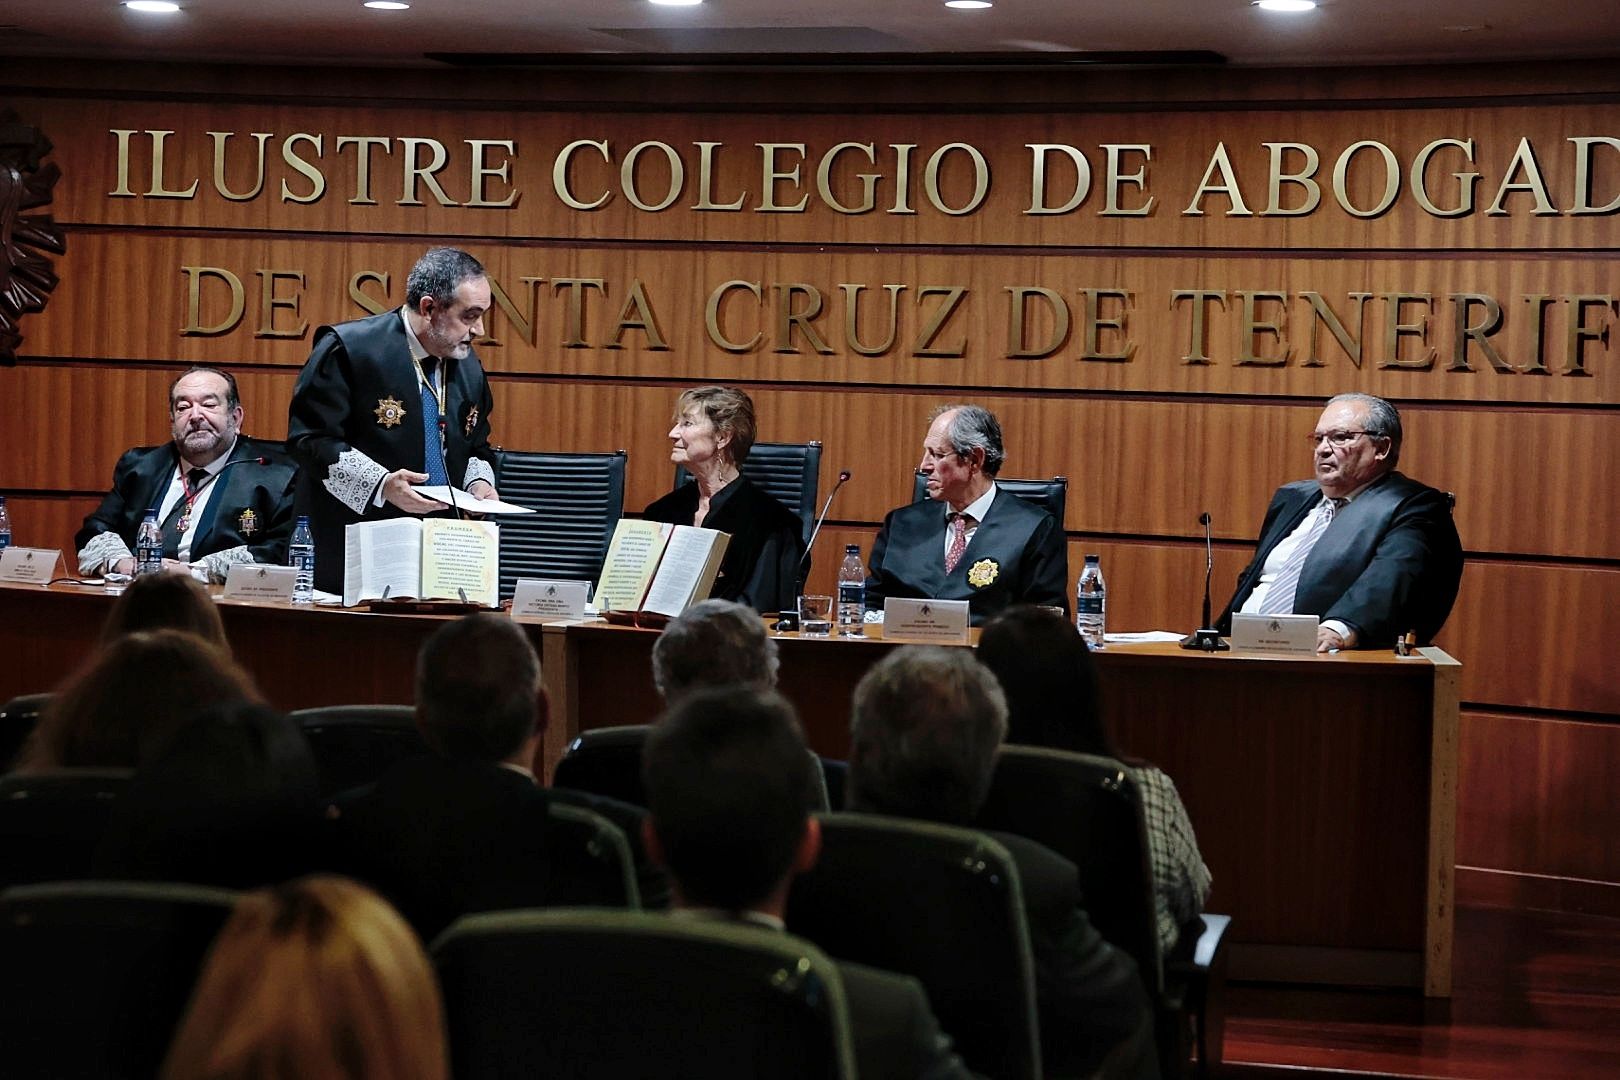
(1280, 597)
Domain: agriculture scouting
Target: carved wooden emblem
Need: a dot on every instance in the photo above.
(26, 276)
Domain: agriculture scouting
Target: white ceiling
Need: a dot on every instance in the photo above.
(1339, 32)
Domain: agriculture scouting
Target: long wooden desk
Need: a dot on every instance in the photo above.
(1323, 789)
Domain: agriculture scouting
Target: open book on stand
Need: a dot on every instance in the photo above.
(658, 569)
(422, 559)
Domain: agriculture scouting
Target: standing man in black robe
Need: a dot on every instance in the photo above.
(391, 401)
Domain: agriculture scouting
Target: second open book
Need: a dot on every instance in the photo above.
(660, 568)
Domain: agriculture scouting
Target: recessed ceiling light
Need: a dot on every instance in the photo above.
(968, 5)
(1285, 5)
(387, 5)
(152, 7)
(677, 3)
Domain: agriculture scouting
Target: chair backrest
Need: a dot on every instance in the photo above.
(607, 761)
(789, 471)
(941, 904)
(589, 994)
(18, 718)
(51, 822)
(1050, 495)
(96, 975)
(353, 745)
(577, 499)
(591, 864)
(1089, 810)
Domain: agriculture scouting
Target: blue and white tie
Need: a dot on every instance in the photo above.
(433, 464)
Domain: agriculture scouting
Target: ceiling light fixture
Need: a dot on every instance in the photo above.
(387, 5)
(152, 7)
(1291, 6)
(969, 5)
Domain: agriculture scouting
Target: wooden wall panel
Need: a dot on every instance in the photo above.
(1538, 792)
(144, 274)
(1183, 142)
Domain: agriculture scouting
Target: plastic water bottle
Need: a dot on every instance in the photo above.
(852, 594)
(5, 525)
(1091, 603)
(301, 556)
(149, 545)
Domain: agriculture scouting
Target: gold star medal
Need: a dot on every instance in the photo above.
(390, 411)
(472, 421)
(247, 523)
(983, 572)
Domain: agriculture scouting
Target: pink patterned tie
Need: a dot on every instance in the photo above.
(953, 553)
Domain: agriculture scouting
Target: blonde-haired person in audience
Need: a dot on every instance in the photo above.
(165, 602)
(130, 697)
(317, 979)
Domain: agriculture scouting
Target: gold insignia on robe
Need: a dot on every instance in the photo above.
(247, 523)
(983, 573)
(472, 421)
(390, 411)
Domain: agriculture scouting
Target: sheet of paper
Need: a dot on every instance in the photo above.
(28, 565)
(1142, 637)
(938, 622)
(467, 501)
(255, 581)
(549, 601)
(461, 558)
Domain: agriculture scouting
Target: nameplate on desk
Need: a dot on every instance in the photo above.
(536, 598)
(1274, 633)
(935, 622)
(34, 566)
(252, 581)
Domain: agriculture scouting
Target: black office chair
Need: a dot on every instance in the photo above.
(607, 761)
(1050, 495)
(52, 822)
(96, 975)
(355, 744)
(941, 904)
(590, 994)
(1089, 810)
(577, 499)
(591, 865)
(789, 471)
(18, 719)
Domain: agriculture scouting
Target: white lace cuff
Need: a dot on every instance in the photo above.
(218, 564)
(101, 553)
(478, 469)
(353, 479)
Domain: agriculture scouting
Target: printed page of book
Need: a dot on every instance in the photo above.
(686, 575)
(632, 559)
(461, 556)
(379, 555)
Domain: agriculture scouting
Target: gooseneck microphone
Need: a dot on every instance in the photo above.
(1206, 637)
(804, 562)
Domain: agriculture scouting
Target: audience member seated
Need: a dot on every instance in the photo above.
(314, 978)
(165, 602)
(711, 644)
(926, 725)
(1050, 682)
(130, 697)
(465, 828)
(230, 799)
(721, 770)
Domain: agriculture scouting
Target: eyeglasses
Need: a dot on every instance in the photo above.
(1340, 439)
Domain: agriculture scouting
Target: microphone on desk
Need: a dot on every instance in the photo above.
(1206, 637)
(804, 562)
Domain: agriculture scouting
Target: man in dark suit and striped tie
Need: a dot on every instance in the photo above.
(1371, 552)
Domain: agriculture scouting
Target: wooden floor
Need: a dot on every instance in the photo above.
(1537, 995)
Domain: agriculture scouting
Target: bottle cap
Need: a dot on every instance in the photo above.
(852, 549)
(1093, 558)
